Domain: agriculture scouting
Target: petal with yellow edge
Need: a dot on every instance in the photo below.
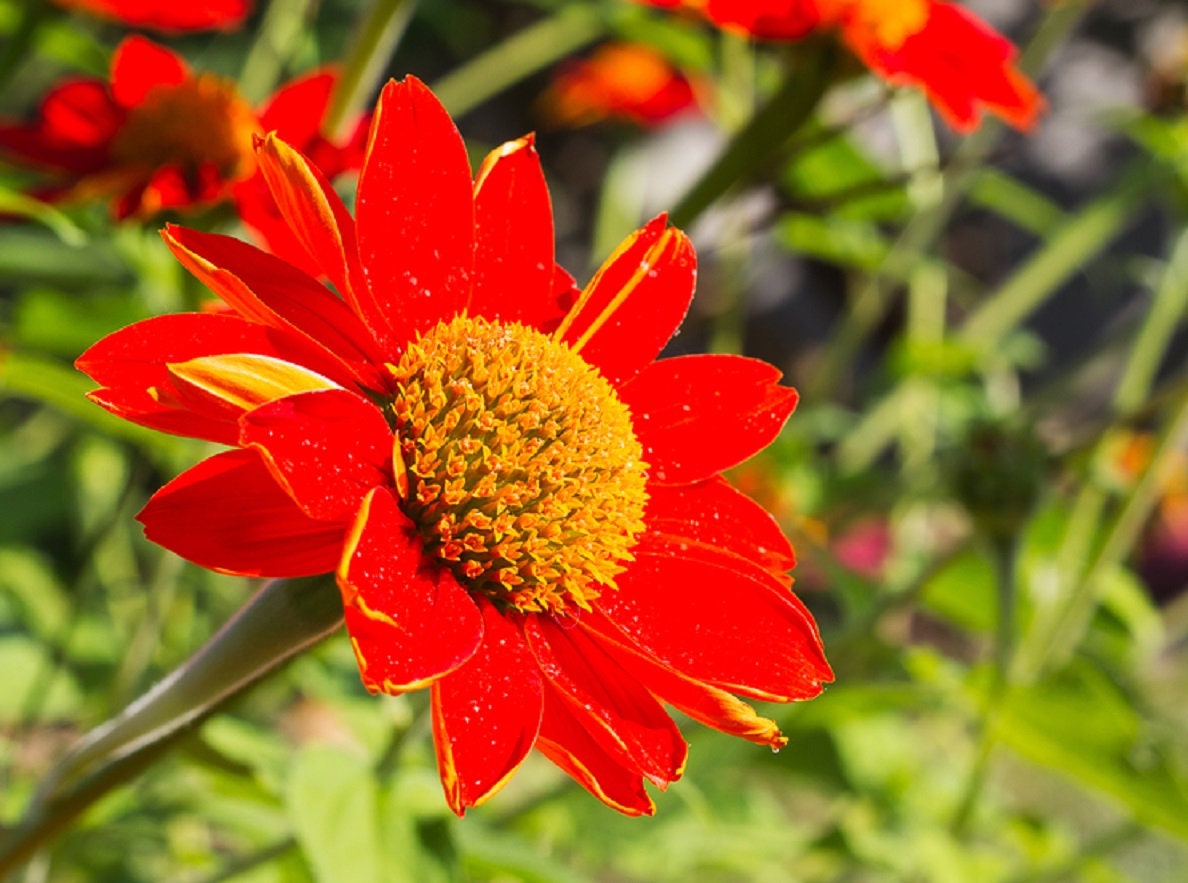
(409, 620)
(486, 715)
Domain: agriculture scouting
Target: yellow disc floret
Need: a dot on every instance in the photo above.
(524, 474)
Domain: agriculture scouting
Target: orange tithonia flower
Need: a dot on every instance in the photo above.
(522, 506)
(167, 15)
(627, 81)
(158, 137)
(961, 63)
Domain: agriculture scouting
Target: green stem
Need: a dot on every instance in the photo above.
(765, 135)
(532, 49)
(873, 299)
(276, 41)
(284, 617)
(376, 37)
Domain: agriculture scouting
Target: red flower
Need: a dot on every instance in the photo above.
(961, 63)
(524, 510)
(167, 15)
(159, 137)
(619, 81)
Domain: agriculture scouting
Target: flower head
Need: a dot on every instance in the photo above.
(167, 15)
(962, 64)
(627, 81)
(158, 136)
(523, 508)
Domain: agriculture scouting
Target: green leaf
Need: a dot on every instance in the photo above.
(844, 241)
(333, 802)
(963, 592)
(1080, 724)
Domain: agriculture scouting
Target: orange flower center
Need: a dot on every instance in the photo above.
(200, 122)
(524, 473)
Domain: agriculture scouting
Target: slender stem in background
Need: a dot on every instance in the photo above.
(1004, 647)
(765, 134)
(284, 617)
(872, 300)
(507, 63)
(377, 34)
(277, 41)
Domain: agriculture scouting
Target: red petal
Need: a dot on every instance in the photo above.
(327, 449)
(140, 65)
(698, 415)
(513, 266)
(622, 717)
(715, 622)
(132, 365)
(708, 705)
(715, 514)
(409, 620)
(567, 742)
(315, 214)
(486, 715)
(265, 289)
(78, 120)
(415, 215)
(296, 110)
(228, 514)
(635, 301)
(223, 14)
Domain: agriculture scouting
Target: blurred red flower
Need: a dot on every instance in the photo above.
(158, 136)
(523, 508)
(962, 64)
(627, 81)
(167, 15)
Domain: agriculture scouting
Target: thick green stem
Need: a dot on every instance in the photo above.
(285, 617)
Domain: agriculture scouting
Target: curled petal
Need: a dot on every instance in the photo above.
(698, 415)
(409, 621)
(567, 742)
(708, 705)
(313, 212)
(132, 367)
(267, 290)
(486, 715)
(228, 514)
(234, 383)
(621, 716)
(327, 448)
(635, 301)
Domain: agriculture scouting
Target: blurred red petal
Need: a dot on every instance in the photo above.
(698, 415)
(409, 620)
(415, 216)
(166, 15)
(328, 449)
(229, 514)
(139, 66)
(486, 715)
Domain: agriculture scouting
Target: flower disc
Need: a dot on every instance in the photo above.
(524, 474)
